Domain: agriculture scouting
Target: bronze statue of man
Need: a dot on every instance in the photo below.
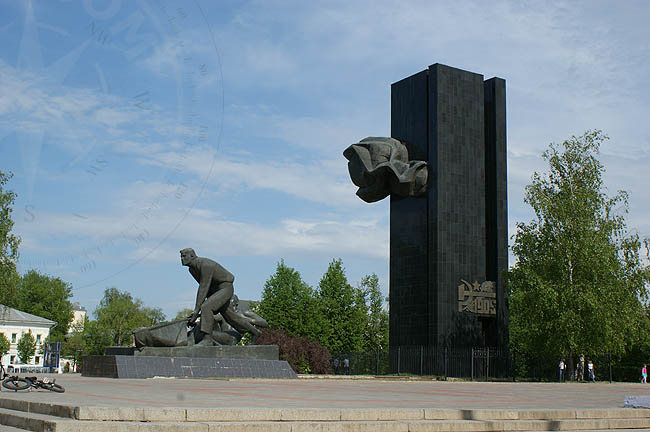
(213, 296)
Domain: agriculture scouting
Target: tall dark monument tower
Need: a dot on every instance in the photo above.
(447, 242)
(445, 171)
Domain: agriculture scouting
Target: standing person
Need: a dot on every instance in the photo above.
(561, 367)
(336, 366)
(346, 366)
(644, 374)
(590, 369)
(581, 368)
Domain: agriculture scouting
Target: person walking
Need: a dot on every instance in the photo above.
(644, 374)
(590, 370)
(561, 366)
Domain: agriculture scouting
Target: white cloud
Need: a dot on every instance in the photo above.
(103, 235)
(310, 181)
(78, 117)
(112, 117)
(176, 56)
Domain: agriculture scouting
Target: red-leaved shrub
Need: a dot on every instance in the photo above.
(303, 356)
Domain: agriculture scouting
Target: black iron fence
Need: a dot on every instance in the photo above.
(471, 363)
(479, 364)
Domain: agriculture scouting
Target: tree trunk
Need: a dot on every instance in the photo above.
(570, 367)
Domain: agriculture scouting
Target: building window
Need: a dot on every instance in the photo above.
(13, 359)
(37, 360)
(13, 337)
(38, 340)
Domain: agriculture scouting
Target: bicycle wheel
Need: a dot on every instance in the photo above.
(57, 388)
(15, 384)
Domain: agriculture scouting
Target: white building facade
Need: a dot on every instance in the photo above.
(79, 315)
(15, 323)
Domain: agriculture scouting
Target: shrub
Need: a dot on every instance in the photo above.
(302, 355)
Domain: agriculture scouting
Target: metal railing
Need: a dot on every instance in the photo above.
(472, 363)
(21, 369)
(482, 363)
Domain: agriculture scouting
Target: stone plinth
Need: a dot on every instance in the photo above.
(249, 352)
(253, 361)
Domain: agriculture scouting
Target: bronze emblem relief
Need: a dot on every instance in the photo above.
(480, 299)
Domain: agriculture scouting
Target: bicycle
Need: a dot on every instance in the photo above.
(16, 383)
(12, 382)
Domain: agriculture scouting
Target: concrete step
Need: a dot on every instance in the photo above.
(48, 423)
(28, 421)
(10, 429)
(39, 416)
(370, 414)
(67, 425)
(167, 414)
(57, 410)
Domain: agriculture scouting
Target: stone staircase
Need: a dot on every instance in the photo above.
(38, 416)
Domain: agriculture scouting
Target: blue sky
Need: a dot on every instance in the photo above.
(137, 128)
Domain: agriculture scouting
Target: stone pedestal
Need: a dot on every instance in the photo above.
(249, 352)
(254, 361)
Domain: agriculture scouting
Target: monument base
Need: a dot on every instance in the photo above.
(252, 352)
(252, 361)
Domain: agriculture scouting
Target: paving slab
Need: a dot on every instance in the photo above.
(325, 394)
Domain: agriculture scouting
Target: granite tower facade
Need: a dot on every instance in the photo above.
(448, 248)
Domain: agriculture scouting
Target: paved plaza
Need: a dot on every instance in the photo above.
(331, 393)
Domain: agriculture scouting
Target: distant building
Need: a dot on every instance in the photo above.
(79, 314)
(15, 323)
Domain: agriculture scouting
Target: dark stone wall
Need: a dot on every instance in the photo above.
(455, 121)
(409, 316)
(496, 187)
(249, 352)
(125, 366)
(457, 138)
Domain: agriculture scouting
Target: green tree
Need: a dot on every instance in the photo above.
(96, 338)
(5, 345)
(9, 278)
(47, 297)
(152, 316)
(289, 304)
(375, 334)
(75, 343)
(26, 347)
(183, 313)
(119, 314)
(579, 277)
(343, 310)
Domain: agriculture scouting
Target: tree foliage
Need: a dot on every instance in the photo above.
(96, 338)
(26, 347)
(183, 313)
(75, 343)
(9, 278)
(375, 334)
(579, 280)
(47, 297)
(288, 303)
(343, 310)
(337, 315)
(118, 314)
(5, 345)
